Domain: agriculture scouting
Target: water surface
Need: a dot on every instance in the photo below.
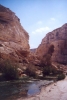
(17, 89)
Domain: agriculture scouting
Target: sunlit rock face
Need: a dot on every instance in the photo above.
(58, 38)
(13, 37)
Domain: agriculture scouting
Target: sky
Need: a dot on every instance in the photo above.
(38, 17)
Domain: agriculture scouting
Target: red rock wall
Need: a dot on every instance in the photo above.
(13, 37)
(58, 38)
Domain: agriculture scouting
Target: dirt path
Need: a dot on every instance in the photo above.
(55, 91)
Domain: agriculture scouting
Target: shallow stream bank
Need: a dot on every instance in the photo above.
(14, 90)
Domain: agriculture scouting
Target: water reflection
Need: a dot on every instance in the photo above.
(33, 89)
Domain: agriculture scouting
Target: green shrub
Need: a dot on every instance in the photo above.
(31, 71)
(47, 70)
(54, 71)
(9, 70)
(2, 78)
(61, 76)
(60, 71)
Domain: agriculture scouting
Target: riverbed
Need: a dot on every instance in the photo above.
(13, 90)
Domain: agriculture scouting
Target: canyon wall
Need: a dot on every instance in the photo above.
(14, 39)
(58, 38)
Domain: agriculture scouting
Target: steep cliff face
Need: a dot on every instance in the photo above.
(13, 37)
(58, 38)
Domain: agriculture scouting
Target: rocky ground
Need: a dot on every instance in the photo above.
(55, 91)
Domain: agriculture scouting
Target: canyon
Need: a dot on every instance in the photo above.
(14, 46)
(14, 41)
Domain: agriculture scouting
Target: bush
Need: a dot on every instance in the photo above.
(54, 71)
(31, 71)
(61, 76)
(9, 70)
(47, 70)
(2, 78)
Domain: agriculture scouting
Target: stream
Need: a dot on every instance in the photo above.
(12, 90)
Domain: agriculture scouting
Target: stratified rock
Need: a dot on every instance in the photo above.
(13, 37)
(58, 38)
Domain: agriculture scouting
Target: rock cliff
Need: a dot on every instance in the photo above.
(58, 38)
(13, 38)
